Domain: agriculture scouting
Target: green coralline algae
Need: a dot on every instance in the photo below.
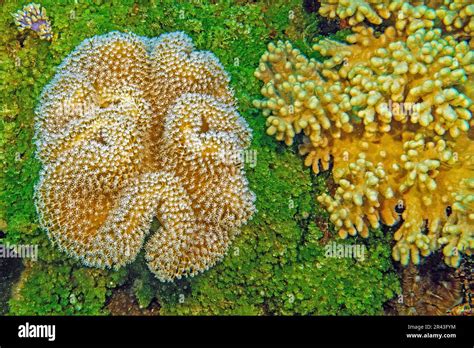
(278, 263)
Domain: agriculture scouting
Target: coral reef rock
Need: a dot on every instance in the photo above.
(131, 128)
(427, 291)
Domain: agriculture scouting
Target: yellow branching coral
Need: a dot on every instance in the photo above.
(394, 112)
(132, 128)
(356, 10)
(386, 71)
(456, 16)
(405, 13)
(297, 99)
(458, 232)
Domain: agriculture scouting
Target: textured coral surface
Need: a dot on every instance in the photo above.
(428, 290)
(131, 128)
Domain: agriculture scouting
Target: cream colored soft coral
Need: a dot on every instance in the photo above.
(132, 128)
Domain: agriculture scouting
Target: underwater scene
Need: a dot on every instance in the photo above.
(230, 158)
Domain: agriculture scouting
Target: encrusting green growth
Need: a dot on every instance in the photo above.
(62, 289)
(276, 265)
(391, 111)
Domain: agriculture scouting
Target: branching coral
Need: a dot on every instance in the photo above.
(458, 230)
(414, 12)
(131, 128)
(356, 10)
(34, 18)
(456, 16)
(394, 112)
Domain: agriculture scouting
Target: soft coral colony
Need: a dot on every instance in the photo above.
(131, 128)
(394, 112)
(33, 17)
(454, 16)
